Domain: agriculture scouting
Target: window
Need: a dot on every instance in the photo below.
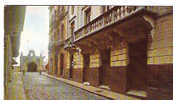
(108, 8)
(59, 33)
(62, 31)
(62, 8)
(72, 27)
(72, 10)
(87, 16)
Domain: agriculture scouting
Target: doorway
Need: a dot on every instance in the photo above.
(86, 67)
(56, 64)
(71, 66)
(32, 67)
(61, 64)
(137, 67)
(105, 64)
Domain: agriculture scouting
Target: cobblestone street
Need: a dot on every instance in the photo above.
(87, 52)
(39, 87)
(15, 89)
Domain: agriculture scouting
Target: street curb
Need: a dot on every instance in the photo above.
(104, 93)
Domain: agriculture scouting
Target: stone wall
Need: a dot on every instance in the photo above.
(160, 52)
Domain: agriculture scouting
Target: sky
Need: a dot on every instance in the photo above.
(35, 31)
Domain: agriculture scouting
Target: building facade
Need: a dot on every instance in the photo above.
(51, 39)
(122, 47)
(31, 62)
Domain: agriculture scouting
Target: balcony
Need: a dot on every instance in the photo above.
(113, 16)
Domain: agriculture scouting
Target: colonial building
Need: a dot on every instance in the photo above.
(61, 54)
(51, 39)
(58, 59)
(123, 47)
(31, 62)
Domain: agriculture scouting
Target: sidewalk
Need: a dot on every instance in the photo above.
(15, 90)
(97, 91)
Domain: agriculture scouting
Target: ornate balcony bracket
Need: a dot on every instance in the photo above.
(69, 46)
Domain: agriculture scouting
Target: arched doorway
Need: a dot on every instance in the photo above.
(137, 68)
(61, 64)
(71, 66)
(56, 64)
(32, 67)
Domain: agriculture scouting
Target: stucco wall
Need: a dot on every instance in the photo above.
(161, 48)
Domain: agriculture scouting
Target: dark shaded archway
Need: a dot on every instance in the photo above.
(137, 68)
(61, 64)
(71, 66)
(32, 67)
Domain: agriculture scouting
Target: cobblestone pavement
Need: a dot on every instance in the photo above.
(39, 87)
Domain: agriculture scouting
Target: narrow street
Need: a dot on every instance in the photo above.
(103, 52)
(40, 87)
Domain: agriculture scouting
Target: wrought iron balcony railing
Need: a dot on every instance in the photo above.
(110, 17)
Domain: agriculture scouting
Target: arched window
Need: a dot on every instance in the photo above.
(72, 27)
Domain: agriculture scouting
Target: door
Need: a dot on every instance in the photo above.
(32, 67)
(56, 64)
(137, 67)
(105, 64)
(61, 64)
(71, 66)
(86, 67)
